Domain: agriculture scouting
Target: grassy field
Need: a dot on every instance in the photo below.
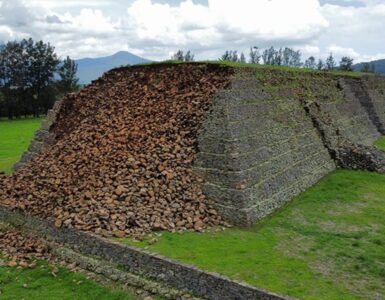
(39, 283)
(15, 137)
(329, 243)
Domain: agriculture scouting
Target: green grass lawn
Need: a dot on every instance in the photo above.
(39, 283)
(380, 143)
(328, 243)
(15, 137)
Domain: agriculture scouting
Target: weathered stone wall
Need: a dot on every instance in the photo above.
(375, 89)
(342, 105)
(275, 133)
(259, 148)
(43, 137)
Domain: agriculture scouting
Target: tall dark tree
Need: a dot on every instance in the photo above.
(254, 55)
(68, 80)
(282, 57)
(44, 63)
(320, 65)
(242, 58)
(189, 56)
(330, 63)
(230, 56)
(269, 56)
(310, 63)
(15, 65)
(346, 64)
(180, 56)
(26, 70)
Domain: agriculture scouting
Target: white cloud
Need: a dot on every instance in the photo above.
(341, 51)
(67, 3)
(224, 22)
(154, 30)
(358, 30)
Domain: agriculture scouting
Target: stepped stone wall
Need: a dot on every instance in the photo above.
(259, 149)
(275, 133)
(342, 105)
(375, 88)
(43, 137)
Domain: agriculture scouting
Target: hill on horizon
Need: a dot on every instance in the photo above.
(92, 68)
(379, 66)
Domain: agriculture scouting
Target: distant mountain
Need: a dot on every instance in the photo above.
(92, 68)
(379, 66)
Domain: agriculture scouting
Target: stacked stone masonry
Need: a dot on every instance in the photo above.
(274, 134)
(375, 88)
(259, 150)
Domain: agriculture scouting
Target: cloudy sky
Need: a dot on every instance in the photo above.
(156, 28)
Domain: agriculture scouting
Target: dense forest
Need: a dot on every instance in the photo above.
(32, 78)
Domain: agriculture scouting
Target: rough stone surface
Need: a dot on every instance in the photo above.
(276, 133)
(259, 149)
(375, 89)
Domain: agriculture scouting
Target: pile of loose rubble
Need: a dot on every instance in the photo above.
(22, 250)
(122, 160)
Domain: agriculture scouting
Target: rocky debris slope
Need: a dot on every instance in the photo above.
(21, 250)
(122, 160)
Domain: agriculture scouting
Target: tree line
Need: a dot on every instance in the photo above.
(283, 56)
(32, 78)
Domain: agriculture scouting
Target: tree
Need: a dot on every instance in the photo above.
(346, 64)
(310, 63)
(254, 55)
(230, 56)
(320, 65)
(43, 66)
(269, 56)
(15, 65)
(296, 60)
(278, 57)
(26, 70)
(234, 57)
(180, 56)
(242, 58)
(226, 56)
(330, 63)
(282, 57)
(68, 80)
(291, 58)
(189, 56)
